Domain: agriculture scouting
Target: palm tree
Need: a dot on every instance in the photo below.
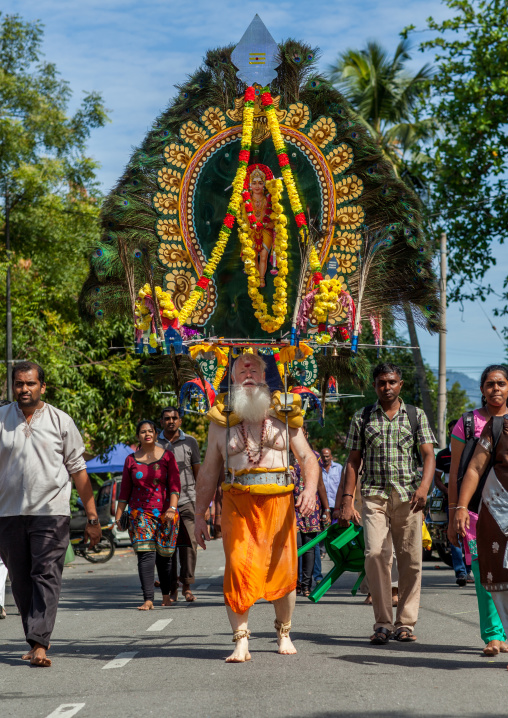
(384, 95)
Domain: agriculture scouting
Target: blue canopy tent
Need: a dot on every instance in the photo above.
(111, 461)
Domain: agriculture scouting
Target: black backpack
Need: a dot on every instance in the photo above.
(413, 420)
(467, 455)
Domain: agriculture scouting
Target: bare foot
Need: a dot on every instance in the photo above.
(286, 647)
(28, 656)
(167, 600)
(503, 647)
(241, 652)
(284, 642)
(395, 596)
(492, 648)
(174, 595)
(368, 600)
(147, 606)
(39, 657)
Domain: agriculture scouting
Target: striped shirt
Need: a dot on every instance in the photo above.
(388, 459)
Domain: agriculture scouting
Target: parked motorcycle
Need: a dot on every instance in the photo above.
(101, 552)
(437, 524)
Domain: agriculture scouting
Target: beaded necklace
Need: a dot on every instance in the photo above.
(250, 458)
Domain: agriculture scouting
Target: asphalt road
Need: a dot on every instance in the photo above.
(113, 661)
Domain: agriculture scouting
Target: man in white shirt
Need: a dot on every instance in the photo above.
(332, 471)
(40, 450)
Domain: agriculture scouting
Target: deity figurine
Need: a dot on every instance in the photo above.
(257, 209)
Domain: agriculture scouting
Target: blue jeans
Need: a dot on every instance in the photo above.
(458, 562)
(316, 574)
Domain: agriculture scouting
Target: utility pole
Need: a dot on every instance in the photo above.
(420, 367)
(8, 311)
(441, 387)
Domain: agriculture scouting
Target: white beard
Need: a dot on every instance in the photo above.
(251, 405)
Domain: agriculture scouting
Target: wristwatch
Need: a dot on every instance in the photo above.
(93, 522)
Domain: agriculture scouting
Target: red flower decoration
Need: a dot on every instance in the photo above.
(283, 160)
(321, 327)
(266, 99)
(244, 155)
(250, 94)
(344, 334)
(203, 282)
(318, 277)
(301, 221)
(229, 220)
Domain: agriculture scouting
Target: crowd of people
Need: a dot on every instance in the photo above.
(269, 506)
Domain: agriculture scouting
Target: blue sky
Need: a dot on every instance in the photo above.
(135, 52)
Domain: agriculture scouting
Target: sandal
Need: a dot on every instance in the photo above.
(306, 592)
(381, 636)
(189, 596)
(368, 600)
(404, 635)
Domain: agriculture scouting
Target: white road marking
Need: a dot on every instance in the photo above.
(217, 575)
(121, 660)
(202, 586)
(159, 625)
(66, 710)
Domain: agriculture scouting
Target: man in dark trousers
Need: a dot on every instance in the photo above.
(40, 450)
(385, 437)
(186, 451)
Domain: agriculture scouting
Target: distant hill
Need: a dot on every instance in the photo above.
(471, 386)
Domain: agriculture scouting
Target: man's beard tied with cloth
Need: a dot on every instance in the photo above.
(251, 405)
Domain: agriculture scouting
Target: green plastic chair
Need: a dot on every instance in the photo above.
(345, 546)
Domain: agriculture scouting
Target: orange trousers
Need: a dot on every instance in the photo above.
(259, 539)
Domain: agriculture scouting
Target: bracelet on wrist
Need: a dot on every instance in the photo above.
(461, 507)
(348, 495)
(327, 511)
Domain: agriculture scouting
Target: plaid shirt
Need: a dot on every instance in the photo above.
(388, 459)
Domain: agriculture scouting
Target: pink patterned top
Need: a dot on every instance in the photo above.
(148, 487)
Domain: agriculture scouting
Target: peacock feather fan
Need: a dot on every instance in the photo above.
(379, 249)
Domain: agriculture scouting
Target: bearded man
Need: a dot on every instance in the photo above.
(258, 510)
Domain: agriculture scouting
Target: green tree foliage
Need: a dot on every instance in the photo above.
(469, 99)
(338, 416)
(40, 145)
(48, 194)
(385, 95)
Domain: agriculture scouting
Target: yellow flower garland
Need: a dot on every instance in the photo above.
(279, 307)
(328, 290)
(326, 298)
(233, 207)
(169, 309)
(280, 146)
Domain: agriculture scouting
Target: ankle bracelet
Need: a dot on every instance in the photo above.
(238, 635)
(282, 628)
